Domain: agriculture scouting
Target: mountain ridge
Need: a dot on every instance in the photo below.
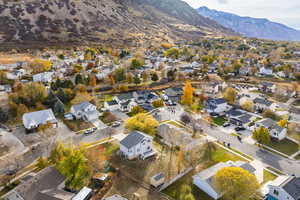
(101, 21)
(251, 27)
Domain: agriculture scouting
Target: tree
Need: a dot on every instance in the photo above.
(40, 65)
(42, 163)
(74, 166)
(230, 95)
(136, 80)
(145, 76)
(21, 110)
(79, 79)
(129, 78)
(158, 103)
(3, 116)
(93, 81)
(77, 68)
(188, 90)
(283, 123)
(261, 135)
(3, 77)
(136, 110)
(136, 63)
(123, 88)
(248, 105)
(185, 118)
(236, 183)
(142, 122)
(154, 77)
(119, 74)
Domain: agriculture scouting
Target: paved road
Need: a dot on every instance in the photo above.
(269, 159)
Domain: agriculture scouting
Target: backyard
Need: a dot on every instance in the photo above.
(285, 146)
(212, 155)
(78, 125)
(219, 120)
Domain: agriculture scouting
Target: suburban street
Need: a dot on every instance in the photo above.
(269, 159)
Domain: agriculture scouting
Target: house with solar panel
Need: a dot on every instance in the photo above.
(204, 179)
(137, 145)
(286, 188)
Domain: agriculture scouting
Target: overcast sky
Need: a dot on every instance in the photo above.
(282, 11)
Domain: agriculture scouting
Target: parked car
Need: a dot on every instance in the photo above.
(90, 131)
(226, 124)
(116, 124)
(239, 128)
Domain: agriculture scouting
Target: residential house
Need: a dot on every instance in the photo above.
(204, 179)
(218, 106)
(285, 188)
(126, 101)
(261, 104)
(142, 97)
(16, 74)
(33, 120)
(136, 145)
(245, 70)
(275, 131)
(266, 71)
(85, 111)
(111, 105)
(5, 88)
(45, 77)
(46, 184)
(174, 94)
(267, 87)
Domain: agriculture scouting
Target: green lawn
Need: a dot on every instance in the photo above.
(268, 176)
(219, 120)
(297, 157)
(285, 146)
(217, 155)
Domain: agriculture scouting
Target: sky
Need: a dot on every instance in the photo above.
(282, 11)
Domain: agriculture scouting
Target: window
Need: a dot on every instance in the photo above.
(138, 150)
(276, 192)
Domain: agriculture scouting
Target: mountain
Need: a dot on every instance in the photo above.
(98, 21)
(251, 27)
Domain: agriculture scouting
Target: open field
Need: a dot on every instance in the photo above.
(13, 58)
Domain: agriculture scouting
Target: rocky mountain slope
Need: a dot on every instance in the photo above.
(252, 27)
(101, 21)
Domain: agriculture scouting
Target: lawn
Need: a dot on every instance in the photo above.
(217, 155)
(77, 125)
(297, 157)
(268, 176)
(285, 146)
(219, 120)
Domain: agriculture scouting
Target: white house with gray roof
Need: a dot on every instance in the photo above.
(137, 145)
(275, 131)
(45, 77)
(85, 111)
(286, 188)
(204, 179)
(33, 120)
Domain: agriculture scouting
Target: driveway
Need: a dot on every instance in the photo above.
(268, 159)
(99, 124)
(121, 115)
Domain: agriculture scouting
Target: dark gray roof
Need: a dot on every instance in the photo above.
(46, 179)
(81, 106)
(113, 102)
(173, 92)
(262, 101)
(125, 96)
(293, 188)
(245, 118)
(270, 124)
(132, 139)
(234, 112)
(267, 84)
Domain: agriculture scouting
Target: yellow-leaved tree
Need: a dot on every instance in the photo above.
(187, 97)
(235, 183)
(40, 65)
(142, 122)
(283, 123)
(230, 95)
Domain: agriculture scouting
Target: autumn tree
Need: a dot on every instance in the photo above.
(154, 77)
(283, 123)
(93, 81)
(123, 88)
(77, 68)
(188, 90)
(235, 183)
(81, 97)
(74, 166)
(40, 65)
(129, 78)
(136, 110)
(248, 105)
(158, 103)
(142, 122)
(230, 95)
(145, 76)
(261, 135)
(136, 80)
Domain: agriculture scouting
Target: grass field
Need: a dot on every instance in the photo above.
(285, 146)
(268, 176)
(219, 120)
